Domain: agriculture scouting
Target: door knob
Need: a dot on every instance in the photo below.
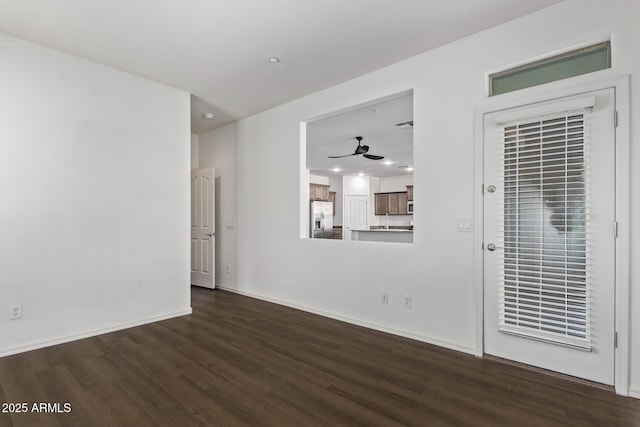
(491, 247)
(210, 234)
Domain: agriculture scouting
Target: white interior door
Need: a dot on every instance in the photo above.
(203, 227)
(549, 245)
(355, 214)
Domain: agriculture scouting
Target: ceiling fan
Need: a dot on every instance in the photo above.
(360, 149)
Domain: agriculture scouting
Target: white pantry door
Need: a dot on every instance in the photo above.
(355, 214)
(549, 245)
(203, 227)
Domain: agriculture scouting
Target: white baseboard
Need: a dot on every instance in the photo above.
(89, 334)
(368, 325)
(634, 392)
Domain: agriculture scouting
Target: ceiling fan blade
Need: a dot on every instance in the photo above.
(337, 157)
(373, 157)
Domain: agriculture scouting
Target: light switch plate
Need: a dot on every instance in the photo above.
(464, 225)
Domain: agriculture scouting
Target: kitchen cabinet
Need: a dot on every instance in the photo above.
(332, 199)
(402, 203)
(337, 233)
(381, 203)
(391, 203)
(410, 193)
(319, 192)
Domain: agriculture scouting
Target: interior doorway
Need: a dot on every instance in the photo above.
(203, 227)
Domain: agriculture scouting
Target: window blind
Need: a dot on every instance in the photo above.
(544, 270)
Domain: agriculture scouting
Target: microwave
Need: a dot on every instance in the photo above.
(410, 206)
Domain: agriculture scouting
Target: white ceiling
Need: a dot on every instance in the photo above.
(376, 123)
(218, 50)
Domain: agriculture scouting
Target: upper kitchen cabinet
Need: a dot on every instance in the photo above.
(381, 203)
(332, 199)
(391, 203)
(392, 207)
(319, 192)
(402, 203)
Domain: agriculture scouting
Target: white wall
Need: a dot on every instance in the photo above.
(448, 85)
(335, 181)
(317, 179)
(357, 185)
(94, 216)
(195, 151)
(218, 150)
(390, 184)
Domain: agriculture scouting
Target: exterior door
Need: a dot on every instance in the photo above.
(549, 245)
(203, 227)
(355, 214)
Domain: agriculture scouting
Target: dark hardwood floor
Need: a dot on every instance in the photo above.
(243, 362)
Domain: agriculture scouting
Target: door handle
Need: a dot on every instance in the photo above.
(491, 247)
(211, 234)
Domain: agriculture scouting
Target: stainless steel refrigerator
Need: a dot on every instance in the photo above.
(321, 221)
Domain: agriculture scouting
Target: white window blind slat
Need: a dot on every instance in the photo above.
(557, 308)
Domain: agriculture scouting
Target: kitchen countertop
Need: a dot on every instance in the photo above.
(397, 235)
(385, 230)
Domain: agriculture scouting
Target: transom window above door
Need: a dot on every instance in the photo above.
(570, 64)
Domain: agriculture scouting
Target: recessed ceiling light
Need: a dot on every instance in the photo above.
(387, 163)
(361, 174)
(407, 168)
(274, 59)
(336, 169)
(208, 115)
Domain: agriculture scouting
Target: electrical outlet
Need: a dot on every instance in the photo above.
(407, 301)
(228, 268)
(384, 297)
(15, 311)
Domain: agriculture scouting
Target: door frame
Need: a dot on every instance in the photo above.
(548, 92)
